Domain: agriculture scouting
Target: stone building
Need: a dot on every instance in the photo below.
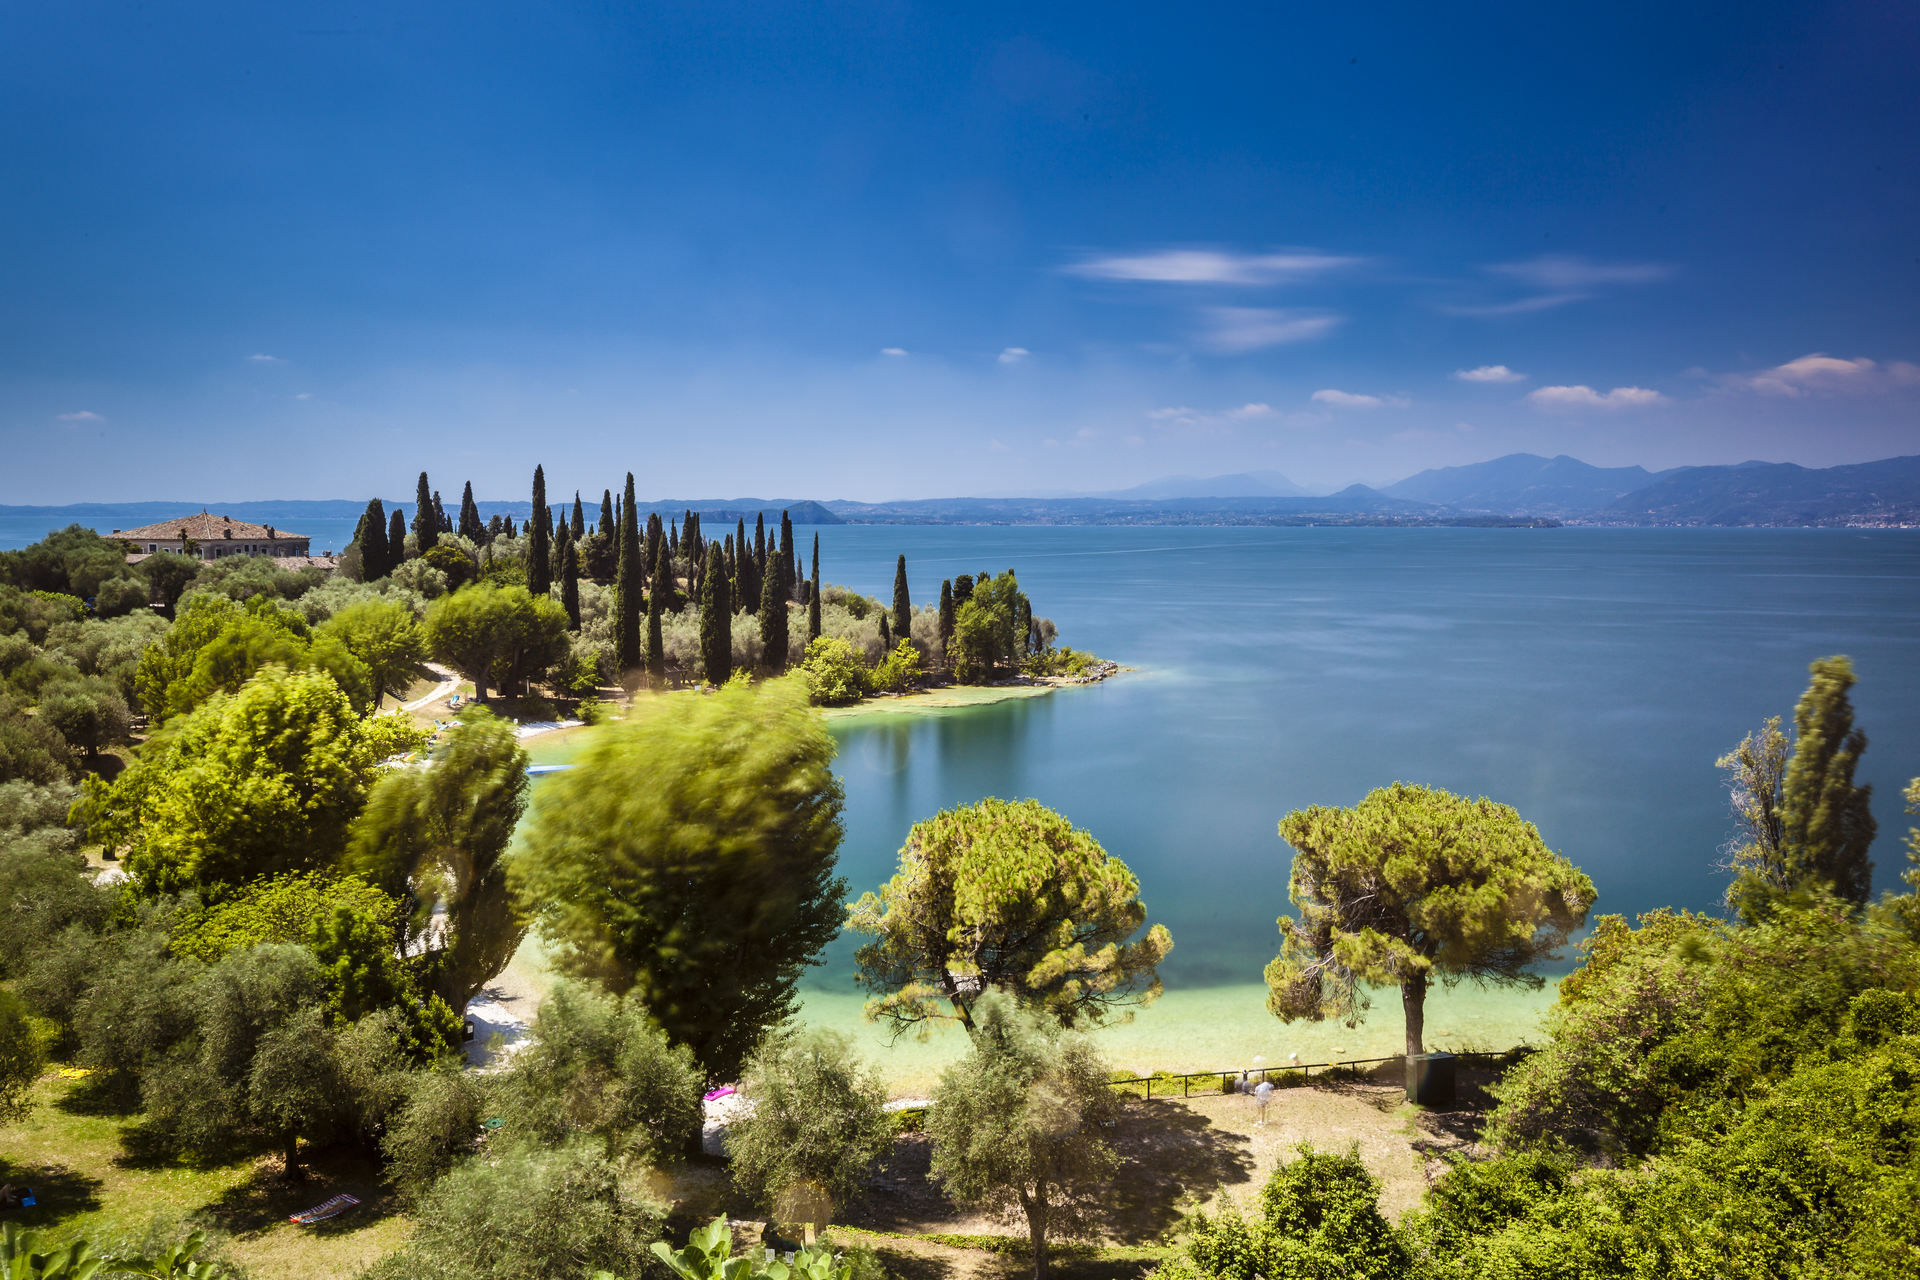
(213, 537)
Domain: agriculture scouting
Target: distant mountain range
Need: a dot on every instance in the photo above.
(1519, 488)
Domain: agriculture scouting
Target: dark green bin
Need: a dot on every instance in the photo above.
(1430, 1079)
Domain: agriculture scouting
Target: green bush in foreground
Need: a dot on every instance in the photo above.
(818, 1121)
(525, 1213)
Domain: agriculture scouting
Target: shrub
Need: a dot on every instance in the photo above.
(899, 672)
(525, 1213)
(817, 1121)
(437, 1125)
(834, 672)
(600, 1068)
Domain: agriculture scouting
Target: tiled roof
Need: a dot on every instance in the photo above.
(202, 527)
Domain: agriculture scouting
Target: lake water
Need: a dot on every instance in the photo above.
(1587, 677)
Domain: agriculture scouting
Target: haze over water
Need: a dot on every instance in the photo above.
(1587, 677)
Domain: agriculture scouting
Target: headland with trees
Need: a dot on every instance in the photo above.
(244, 947)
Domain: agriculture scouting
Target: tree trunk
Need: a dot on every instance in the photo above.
(1413, 1001)
(293, 1153)
(1036, 1207)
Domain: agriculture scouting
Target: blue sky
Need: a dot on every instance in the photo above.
(882, 250)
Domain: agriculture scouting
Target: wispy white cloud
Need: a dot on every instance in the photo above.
(1561, 279)
(264, 359)
(1210, 266)
(1490, 373)
(1544, 302)
(1232, 330)
(1180, 412)
(1820, 372)
(997, 447)
(1581, 397)
(1251, 411)
(893, 351)
(1562, 272)
(304, 395)
(1351, 400)
(1014, 355)
(83, 415)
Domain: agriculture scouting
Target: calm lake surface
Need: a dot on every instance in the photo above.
(1587, 677)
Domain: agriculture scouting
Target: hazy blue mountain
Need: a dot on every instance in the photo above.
(1777, 493)
(1355, 502)
(1242, 484)
(131, 515)
(1523, 483)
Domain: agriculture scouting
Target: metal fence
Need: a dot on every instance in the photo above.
(1291, 1075)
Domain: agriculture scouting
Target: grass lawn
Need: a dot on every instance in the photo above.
(89, 1186)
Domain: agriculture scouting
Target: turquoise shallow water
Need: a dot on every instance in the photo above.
(1587, 677)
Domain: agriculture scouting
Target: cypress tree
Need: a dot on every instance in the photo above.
(396, 539)
(626, 591)
(426, 525)
(1827, 821)
(656, 605)
(902, 606)
(743, 557)
(446, 525)
(562, 539)
(579, 518)
(673, 539)
(962, 589)
(606, 511)
(716, 619)
(470, 526)
(773, 621)
(540, 539)
(570, 586)
(788, 565)
(375, 564)
(946, 612)
(760, 543)
(886, 633)
(813, 595)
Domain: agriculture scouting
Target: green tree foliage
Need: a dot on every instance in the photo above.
(376, 560)
(426, 517)
(435, 1125)
(527, 1213)
(606, 524)
(539, 537)
(382, 634)
(31, 750)
(600, 1070)
(987, 634)
(470, 527)
(167, 574)
(818, 1120)
(251, 783)
(834, 672)
(898, 671)
(88, 713)
(503, 636)
(20, 1060)
(1017, 1126)
(1688, 1020)
(109, 648)
(773, 618)
(216, 645)
(578, 526)
(948, 619)
(627, 584)
(35, 613)
(570, 585)
(453, 562)
(348, 924)
(1411, 885)
(1827, 821)
(687, 858)
(1319, 1217)
(813, 595)
(716, 618)
(396, 539)
(74, 561)
(439, 836)
(1006, 896)
(660, 596)
(902, 603)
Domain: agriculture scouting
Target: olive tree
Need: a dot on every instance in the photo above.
(1411, 885)
(818, 1119)
(1007, 895)
(687, 858)
(384, 635)
(1017, 1125)
(495, 635)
